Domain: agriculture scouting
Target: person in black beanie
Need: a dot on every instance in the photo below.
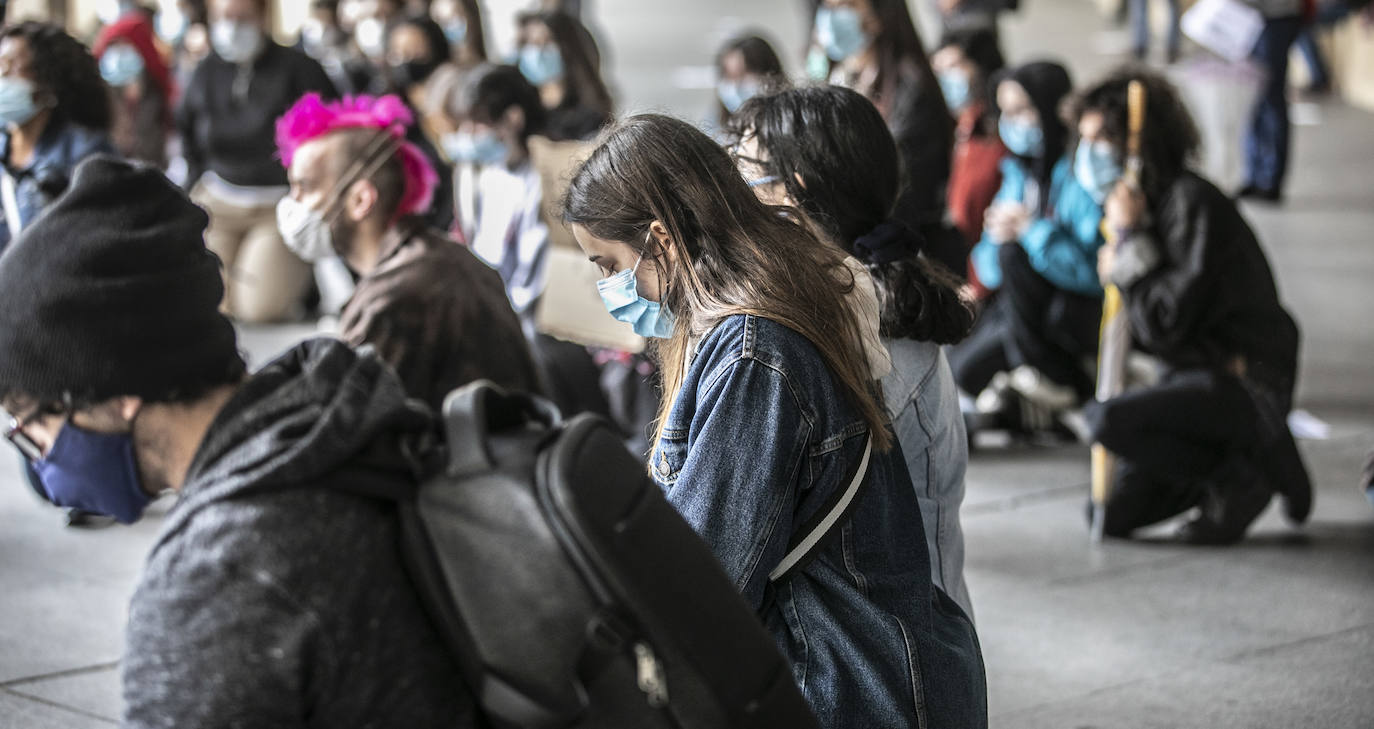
(268, 596)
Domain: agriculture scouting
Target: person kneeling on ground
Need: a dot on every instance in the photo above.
(264, 602)
(431, 309)
(1199, 294)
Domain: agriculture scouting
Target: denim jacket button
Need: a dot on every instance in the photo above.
(663, 467)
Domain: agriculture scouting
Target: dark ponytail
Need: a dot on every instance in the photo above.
(831, 150)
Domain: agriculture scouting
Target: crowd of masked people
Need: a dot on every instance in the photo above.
(839, 281)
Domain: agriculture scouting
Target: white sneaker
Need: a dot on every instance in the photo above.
(1033, 385)
(993, 397)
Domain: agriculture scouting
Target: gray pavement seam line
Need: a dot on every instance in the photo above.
(1269, 649)
(61, 707)
(1168, 560)
(998, 506)
(66, 673)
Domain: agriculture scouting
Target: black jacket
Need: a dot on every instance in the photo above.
(267, 602)
(1212, 296)
(924, 131)
(232, 131)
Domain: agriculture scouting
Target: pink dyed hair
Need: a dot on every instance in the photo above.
(312, 117)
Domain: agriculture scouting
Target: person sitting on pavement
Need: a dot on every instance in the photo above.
(1039, 253)
(1199, 294)
(265, 600)
(359, 190)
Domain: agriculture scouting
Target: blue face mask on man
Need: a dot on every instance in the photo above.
(1096, 169)
(955, 86)
(541, 64)
(94, 472)
(840, 31)
(620, 294)
(1022, 139)
(481, 149)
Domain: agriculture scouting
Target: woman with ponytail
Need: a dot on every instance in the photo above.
(826, 151)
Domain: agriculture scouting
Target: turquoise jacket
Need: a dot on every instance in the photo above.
(1063, 244)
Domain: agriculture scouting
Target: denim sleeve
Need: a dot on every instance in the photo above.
(1063, 247)
(745, 454)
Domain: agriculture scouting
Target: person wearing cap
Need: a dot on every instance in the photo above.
(268, 599)
(430, 307)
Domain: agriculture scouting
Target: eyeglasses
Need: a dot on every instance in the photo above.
(21, 440)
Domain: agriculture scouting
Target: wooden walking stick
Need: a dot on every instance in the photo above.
(1114, 343)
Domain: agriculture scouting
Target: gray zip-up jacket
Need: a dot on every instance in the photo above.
(269, 603)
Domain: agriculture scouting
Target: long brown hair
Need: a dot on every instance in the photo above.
(734, 254)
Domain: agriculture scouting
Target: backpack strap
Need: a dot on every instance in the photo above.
(807, 542)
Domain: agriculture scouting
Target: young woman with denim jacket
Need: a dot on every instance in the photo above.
(826, 151)
(768, 413)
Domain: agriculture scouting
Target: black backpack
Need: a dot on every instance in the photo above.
(570, 591)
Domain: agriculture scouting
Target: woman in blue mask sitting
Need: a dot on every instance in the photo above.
(771, 438)
(745, 66)
(1038, 252)
(872, 46)
(1200, 295)
(560, 57)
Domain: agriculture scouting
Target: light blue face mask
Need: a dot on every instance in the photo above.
(1096, 169)
(541, 64)
(1026, 140)
(955, 86)
(817, 65)
(480, 149)
(840, 31)
(17, 106)
(733, 94)
(620, 294)
(121, 65)
(456, 31)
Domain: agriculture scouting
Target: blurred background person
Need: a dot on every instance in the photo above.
(1039, 252)
(964, 63)
(745, 66)
(1140, 29)
(561, 58)
(418, 66)
(1199, 293)
(1267, 138)
(226, 121)
(142, 87)
(463, 26)
(828, 152)
(55, 112)
(872, 46)
(323, 38)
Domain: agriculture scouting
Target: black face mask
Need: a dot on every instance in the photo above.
(410, 73)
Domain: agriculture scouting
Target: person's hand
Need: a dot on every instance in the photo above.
(1124, 208)
(1106, 259)
(1006, 222)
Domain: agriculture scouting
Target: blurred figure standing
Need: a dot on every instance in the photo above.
(745, 66)
(1140, 29)
(142, 84)
(872, 46)
(462, 24)
(560, 57)
(1267, 140)
(226, 121)
(55, 112)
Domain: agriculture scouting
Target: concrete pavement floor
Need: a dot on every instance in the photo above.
(1275, 632)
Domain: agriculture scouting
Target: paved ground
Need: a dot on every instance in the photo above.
(1276, 632)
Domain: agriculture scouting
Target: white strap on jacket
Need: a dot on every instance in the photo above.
(829, 522)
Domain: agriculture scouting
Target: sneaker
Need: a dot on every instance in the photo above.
(1033, 385)
(1233, 499)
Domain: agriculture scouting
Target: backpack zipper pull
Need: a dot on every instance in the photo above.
(651, 679)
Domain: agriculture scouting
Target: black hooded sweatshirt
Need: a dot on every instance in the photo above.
(1046, 83)
(268, 603)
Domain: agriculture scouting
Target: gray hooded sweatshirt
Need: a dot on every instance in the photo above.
(267, 602)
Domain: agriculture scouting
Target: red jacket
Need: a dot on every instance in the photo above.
(137, 30)
(974, 177)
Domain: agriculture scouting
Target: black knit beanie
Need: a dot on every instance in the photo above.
(111, 291)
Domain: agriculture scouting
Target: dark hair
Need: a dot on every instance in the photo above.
(847, 161)
(979, 46)
(475, 38)
(582, 80)
(1047, 84)
(899, 51)
(489, 90)
(389, 177)
(434, 36)
(733, 254)
(65, 69)
(1169, 139)
(759, 59)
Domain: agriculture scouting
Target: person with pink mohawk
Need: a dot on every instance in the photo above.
(360, 191)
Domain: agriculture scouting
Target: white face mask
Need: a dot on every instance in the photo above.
(236, 42)
(304, 230)
(371, 36)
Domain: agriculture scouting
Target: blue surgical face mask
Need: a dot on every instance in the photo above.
(17, 106)
(456, 31)
(620, 294)
(733, 94)
(817, 65)
(1096, 169)
(121, 65)
(840, 31)
(541, 64)
(955, 86)
(483, 148)
(1025, 140)
(94, 472)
